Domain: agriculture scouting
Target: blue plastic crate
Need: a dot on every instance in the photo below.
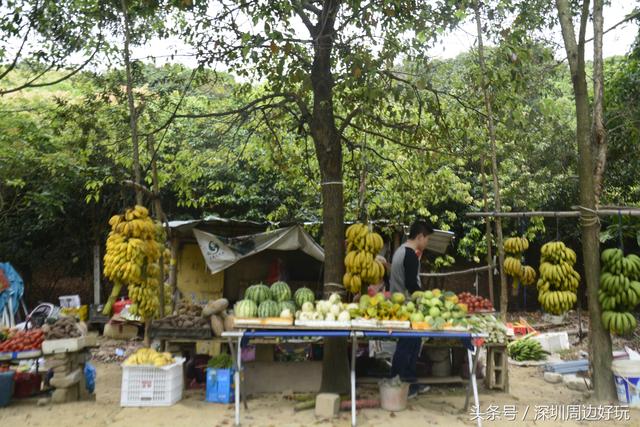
(220, 386)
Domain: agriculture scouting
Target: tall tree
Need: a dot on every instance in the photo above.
(337, 77)
(599, 338)
(504, 291)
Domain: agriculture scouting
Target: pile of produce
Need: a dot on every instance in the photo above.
(525, 274)
(474, 303)
(64, 327)
(187, 316)
(221, 361)
(276, 301)
(331, 310)
(132, 258)
(22, 341)
(488, 324)
(148, 356)
(215, 311)
(362, 267)
(558, 281)
(439, 309)
(526, 348)
(181, 321)
(619, 291)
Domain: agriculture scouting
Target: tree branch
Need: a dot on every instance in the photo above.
(31, 84)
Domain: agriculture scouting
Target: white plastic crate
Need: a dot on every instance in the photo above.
(152, 386)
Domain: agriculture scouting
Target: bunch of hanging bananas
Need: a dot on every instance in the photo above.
(513, 266)
(619, 322)
(132, 259)
(516, 245)
(362, 267)
(558, 281)
(619, 291)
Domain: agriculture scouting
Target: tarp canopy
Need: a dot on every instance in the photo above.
(222, 252)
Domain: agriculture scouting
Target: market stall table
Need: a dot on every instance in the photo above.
(470, 340)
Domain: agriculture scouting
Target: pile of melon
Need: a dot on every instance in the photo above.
(276, 301)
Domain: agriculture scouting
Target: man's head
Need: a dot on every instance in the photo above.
(419, 233)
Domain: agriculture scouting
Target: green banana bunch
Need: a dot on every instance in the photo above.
(526, 349)
(620, 323)
(619, 291)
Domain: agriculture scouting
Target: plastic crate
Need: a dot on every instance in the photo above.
(220, 385)
(152, 386)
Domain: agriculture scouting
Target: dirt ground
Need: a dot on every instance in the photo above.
(440, 406)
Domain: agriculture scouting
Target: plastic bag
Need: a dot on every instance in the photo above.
(90, 377)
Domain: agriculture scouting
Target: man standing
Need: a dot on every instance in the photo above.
(405, 270)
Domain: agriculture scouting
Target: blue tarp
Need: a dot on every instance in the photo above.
(16, 287)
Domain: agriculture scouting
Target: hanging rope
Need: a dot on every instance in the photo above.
(588, 217)
(557, 227)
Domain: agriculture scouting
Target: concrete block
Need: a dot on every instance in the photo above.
(62, 369)
(573, 382)
(327, 405)
(66, 381)
(553, 377)
(64, 395)
(55, 363)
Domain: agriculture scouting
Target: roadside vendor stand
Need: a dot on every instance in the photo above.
(238, 339)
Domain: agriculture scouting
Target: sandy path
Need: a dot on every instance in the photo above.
(440, 407)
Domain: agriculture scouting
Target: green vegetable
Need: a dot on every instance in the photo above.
(221, 361)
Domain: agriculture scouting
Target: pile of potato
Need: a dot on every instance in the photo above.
(64, 327)
(181, 321)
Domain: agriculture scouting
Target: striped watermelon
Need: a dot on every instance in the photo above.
(287, 305)
(303, 295)
(246, 308)
(258, 293)
(268, 309)
(280, 291)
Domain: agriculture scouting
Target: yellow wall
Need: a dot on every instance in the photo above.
(194, 277)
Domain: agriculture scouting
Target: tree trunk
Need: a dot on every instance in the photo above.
(328, 147)
(599, 133)
(159, 216)
(488, 233)
(599, 338)
(504, 290)
(133, 115)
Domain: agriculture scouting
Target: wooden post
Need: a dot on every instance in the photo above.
(96, 275)
(173, 271)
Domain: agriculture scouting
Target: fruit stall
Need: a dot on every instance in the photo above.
(434, 315)
(62, 344)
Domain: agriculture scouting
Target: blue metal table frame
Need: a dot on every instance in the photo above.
(242, 338)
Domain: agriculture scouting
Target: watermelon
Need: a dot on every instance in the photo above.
(287, 305)
(268, 308)
(280, 291)
(303, 295)
(246, 308)
(258, 293)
